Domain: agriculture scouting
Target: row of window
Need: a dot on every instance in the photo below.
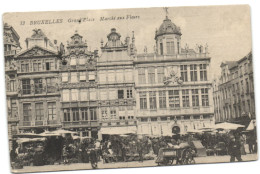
(194, 70)
(173, 98)
(75, 77)
(39, 111)
(38, 65)
(115, 76)
(112, 113)
(38, 84)
(185, 117)
(85, 94)
(82, 114)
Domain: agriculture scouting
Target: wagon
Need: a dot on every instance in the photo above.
(182, 155)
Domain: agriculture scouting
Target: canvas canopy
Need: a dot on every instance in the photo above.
(118, 130)
(228, 126)
(251, 125)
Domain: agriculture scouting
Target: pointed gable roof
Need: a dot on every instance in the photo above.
(36, 51)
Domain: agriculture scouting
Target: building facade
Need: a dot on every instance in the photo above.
(172, 86)
(79, 102)
(38, 85)
(234, 91)
(116, 85)
(11, 48)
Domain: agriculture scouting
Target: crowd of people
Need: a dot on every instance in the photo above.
(116, 148)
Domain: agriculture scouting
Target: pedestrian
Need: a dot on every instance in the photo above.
(93, 158)
(140, 150)
(234, 149)
(65, 155)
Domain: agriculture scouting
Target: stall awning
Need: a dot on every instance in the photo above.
(118, 130)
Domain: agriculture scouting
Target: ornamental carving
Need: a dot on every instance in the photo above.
(172, 78)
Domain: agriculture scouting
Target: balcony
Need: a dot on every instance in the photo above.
(77, 124)
(39, 123)
(118, 122)
(10, 53)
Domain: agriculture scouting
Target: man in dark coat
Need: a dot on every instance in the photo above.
(234, 149)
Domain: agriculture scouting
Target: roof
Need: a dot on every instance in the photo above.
(230, 64)
(168, 27)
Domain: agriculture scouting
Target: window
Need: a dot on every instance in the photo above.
(84, 114)
(12, 87)
(113, 113)
(195, 97)
(151, 75)
(130, 117)
(52, 111)
(66, 113)
(129, 75)
(39, 113)
(160, 74)
(102, 77)
(161, 48)
(73, 61)
(143, 100)
(129, 93)
(178, 47)
(162, 99)
(141, 76)
(24, 67)
(27, 113)
(82, 76)
(184, 74)
(83, 94)
(205, 97)
(122, 118)
(120, 94)
(75, 114)
(103, 95)
(49, 65)
(66, 95)
(174, 99)
(82, 60)
(203, 72)
(104, 114)
(129, 107)
(93, 114)
(37, 66)
(64, 77)
(193, 72)
(185, 98)
(92, 95)
(247, 86)
(74, 77)
(112, 94)
(26, 86)
(51, 85)
(111, 76)
(119, 76)
(74, 94)
(91, 76)
(170, 47)
(242, 86)
(38, 86)
(152, 99)
(13, 108)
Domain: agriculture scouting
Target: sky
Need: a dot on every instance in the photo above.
(225, 29)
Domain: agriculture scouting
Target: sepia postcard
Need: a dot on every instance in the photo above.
(118, 88)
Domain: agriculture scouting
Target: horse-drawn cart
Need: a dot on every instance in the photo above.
(182, 155)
